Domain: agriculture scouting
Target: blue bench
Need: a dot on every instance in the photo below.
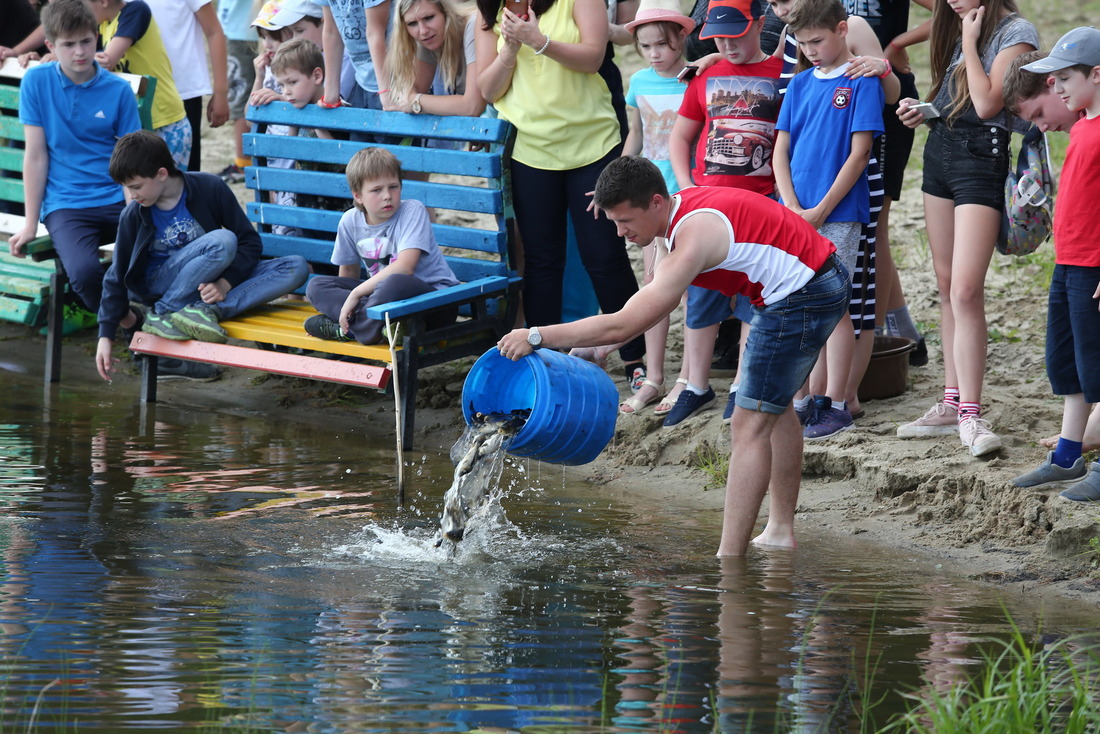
(480, 249)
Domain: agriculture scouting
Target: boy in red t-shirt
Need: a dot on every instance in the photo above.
(729, 113)
(1073, 314)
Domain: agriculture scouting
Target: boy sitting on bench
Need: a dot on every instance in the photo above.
(393, 239)
(185, 249)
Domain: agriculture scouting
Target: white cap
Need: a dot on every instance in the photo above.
(278, 14)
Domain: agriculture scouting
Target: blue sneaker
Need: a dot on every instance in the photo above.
(827, 422)
(727, 414)
(687, 405)
(1088, 489)
(809, 413)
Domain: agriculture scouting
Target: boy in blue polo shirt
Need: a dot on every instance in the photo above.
(825, 131)
(73, 111)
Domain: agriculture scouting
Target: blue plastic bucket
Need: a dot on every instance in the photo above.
(573, 404)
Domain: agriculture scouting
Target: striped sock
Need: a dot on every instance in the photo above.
(951, 397)
(970, 410)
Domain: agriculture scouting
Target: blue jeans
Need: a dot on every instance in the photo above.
(1073, 332)
(786, 337)
(205, 259)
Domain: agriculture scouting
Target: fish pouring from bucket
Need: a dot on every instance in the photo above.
(478, 456)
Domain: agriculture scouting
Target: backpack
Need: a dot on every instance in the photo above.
(1028, 215)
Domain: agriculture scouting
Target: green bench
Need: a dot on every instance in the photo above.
(31, 288)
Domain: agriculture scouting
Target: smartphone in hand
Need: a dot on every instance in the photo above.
(519, 7)
(927, 110)
(687, 73)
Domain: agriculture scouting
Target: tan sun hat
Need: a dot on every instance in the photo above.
(651, 11)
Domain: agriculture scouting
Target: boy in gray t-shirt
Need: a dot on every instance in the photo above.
(392, 239)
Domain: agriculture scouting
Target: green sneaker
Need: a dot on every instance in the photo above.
(77, 318)
(201, 323)
(161, 325)
(323, 327)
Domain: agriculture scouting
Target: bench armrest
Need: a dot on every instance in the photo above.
(442, 297)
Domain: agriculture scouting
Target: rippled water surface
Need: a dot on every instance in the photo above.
(186, 569)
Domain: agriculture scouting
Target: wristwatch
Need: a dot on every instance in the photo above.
(416, 105)
(534, 338)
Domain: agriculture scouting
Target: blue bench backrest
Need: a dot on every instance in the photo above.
(475, 186)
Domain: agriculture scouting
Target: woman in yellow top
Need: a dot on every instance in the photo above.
(540, 70)
(132, 44)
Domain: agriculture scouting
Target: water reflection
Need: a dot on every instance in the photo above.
(188, 569)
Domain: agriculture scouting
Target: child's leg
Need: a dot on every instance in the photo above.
(393, 288)
(77, 234)
(976, 228)
(270, 279)
(939, 219)
(328, 293)
(201, 261)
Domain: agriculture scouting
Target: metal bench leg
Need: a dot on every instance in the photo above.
(148, 378)
(55, 325)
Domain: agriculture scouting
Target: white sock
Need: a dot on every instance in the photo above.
(804, 402)
(695, 389)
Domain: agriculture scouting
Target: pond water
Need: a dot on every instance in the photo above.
(186, 569)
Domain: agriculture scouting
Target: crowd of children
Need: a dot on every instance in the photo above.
(801, 127)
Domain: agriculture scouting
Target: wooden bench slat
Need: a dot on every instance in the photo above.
(11, 159)
(351, 120)
(283, 324)
(294, 365)
(439, 298)
(446, 196)
(338, 152)
(11, 128)
(447, 235)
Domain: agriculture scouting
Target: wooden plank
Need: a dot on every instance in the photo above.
(446, 196)
(20, 311)
(447, 235)
(442, 297)
(349, 119)
(338, 152)
(12, 223)
(283, 324)
(229, 355)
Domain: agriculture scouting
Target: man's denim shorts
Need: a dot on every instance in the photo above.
(1073, 332)
(787, 336)
(967, 164)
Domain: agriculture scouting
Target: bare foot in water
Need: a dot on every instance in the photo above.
(774, 540)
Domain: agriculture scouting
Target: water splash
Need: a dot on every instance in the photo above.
(478, 456)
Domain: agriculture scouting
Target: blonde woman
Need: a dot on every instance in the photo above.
(432, 60)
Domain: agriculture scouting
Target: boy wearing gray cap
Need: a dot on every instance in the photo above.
(1073, 315)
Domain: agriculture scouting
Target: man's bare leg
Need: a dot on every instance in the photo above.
(750, 473)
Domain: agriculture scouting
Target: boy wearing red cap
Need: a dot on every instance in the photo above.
(730, 109)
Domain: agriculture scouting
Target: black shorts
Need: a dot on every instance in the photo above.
(967, 164)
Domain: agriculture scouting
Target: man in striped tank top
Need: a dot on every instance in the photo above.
(736, 242)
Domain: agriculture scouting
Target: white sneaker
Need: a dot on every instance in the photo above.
(976, 435)
(940, 420)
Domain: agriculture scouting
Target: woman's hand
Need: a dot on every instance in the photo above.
(866, 66)
(522, 30)
(908, 116)
(898, 58)
(972, 27)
